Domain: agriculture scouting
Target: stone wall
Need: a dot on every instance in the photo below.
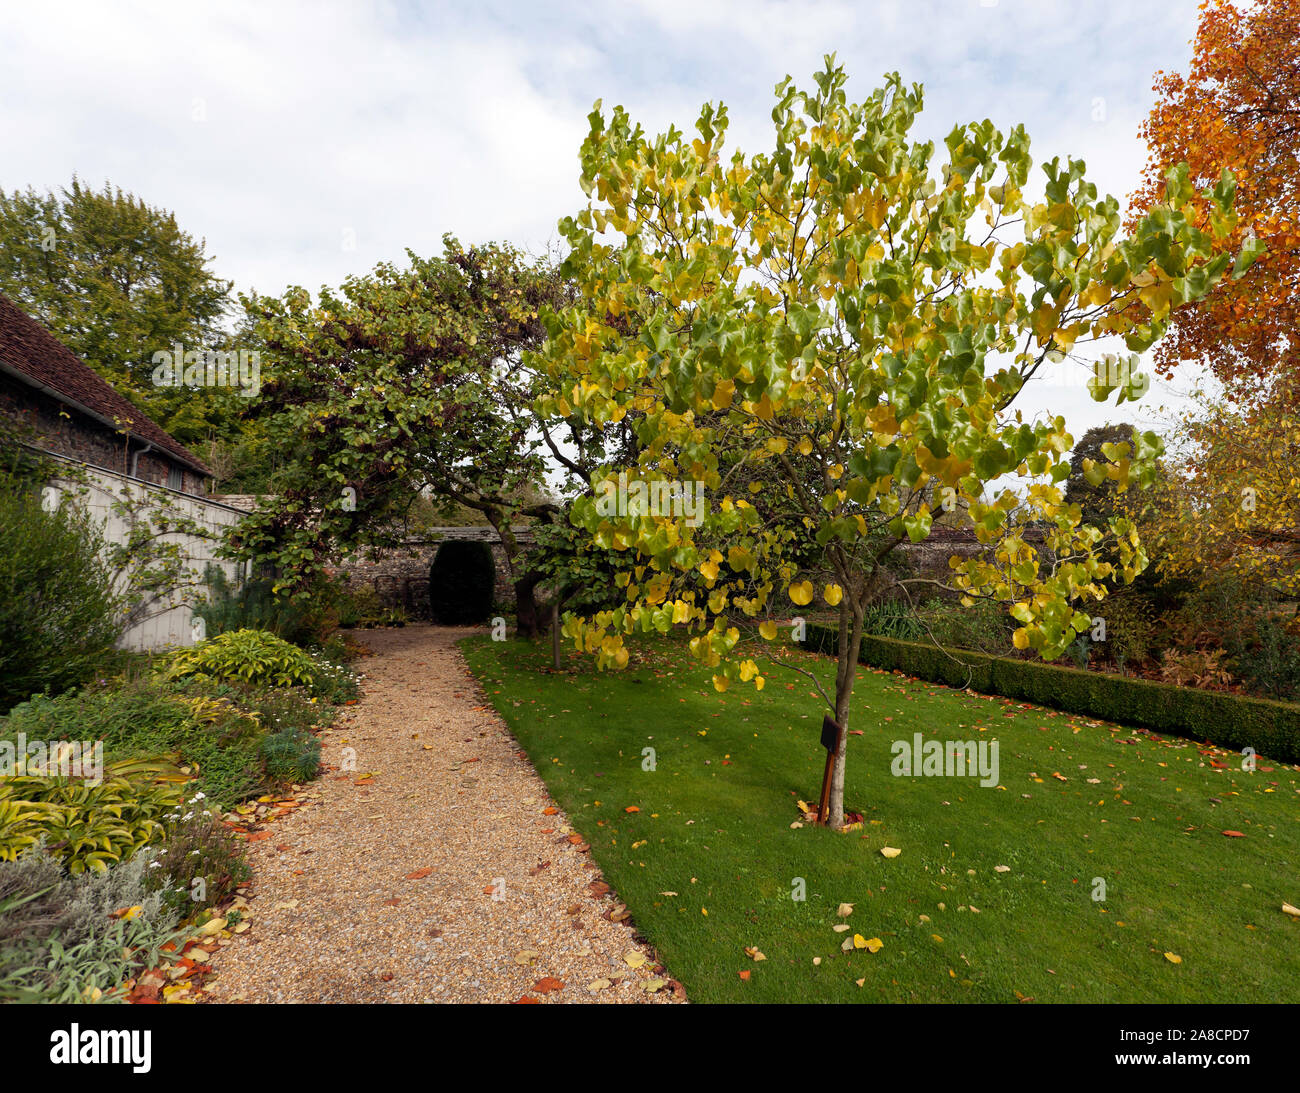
(400, 575)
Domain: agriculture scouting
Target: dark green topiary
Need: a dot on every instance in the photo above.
(462, 581)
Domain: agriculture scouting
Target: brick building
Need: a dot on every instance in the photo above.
(79, 416)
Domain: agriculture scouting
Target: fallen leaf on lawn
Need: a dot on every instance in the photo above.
(1173, 958)
(752, 952)
(816, 960)
(847, 946)
(890, 851)
(1287, 909)
(1002, 869)
(840, 927)
(872, 944)
(743, 975)
(860, 982)
(419, 874)
(631, 808)
(844, 910)
(1235, 834)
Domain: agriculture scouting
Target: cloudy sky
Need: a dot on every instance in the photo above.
(307, 141)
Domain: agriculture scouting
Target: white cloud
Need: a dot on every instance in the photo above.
(404, 121)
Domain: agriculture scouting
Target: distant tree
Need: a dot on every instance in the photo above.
(1232, 510)
(1097, 502)
(117, 280)
(406, 387)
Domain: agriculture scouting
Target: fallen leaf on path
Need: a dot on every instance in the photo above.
(419, 874)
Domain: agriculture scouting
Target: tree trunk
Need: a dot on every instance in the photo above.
(849, 642)
(527, 623)
(555, 631)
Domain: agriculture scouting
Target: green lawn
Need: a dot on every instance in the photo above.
(714, 835)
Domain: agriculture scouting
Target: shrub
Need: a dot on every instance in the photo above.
(1195, 668)
(1270, 665)
(1231, 721)
(58, 610)
(1130, 628)
(462, 580)
(359, 607)
(892, 619)
(291, 755)
(88, 827)
(218, 742)
(197, 847)
(247, 656)
(77, 938)
(254, 605)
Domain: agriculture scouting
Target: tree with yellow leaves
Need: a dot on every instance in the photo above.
(1231, 509)
(859, 318)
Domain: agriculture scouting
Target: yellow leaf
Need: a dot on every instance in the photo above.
(890, 851)
(1173, 958)
(834, 593)
(802, 593)
(768, 630)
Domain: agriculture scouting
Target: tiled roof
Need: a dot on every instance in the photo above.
(33, 352)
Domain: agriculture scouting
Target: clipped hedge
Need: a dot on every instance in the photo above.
(1230, 721)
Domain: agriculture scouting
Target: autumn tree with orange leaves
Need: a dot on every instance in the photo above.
(1238, 107)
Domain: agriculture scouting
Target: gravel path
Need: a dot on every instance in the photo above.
(432, 872)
